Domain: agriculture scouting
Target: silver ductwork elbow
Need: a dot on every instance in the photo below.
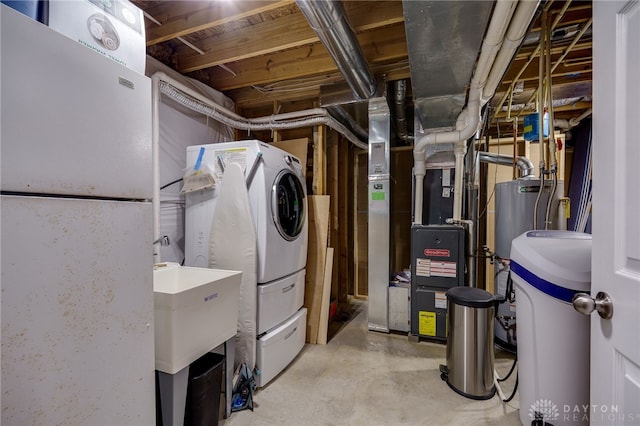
(327, 18)
(523, 163)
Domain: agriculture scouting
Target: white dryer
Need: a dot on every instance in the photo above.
(278, 199)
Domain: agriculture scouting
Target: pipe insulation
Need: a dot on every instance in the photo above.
(196, 102)
(328, 19)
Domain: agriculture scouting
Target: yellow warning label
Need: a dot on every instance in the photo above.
(427, 323)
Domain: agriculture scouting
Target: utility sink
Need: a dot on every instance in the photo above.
(196, 310)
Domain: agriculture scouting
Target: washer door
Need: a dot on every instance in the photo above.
(287, 205)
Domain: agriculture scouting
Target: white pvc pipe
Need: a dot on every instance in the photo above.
(466, 127)
(502, 13)
(417, 216)
(470, 115)
(561, 124)
(517, 30)
(572, 122)
(576, 120)
(155, 155)
(459, 152)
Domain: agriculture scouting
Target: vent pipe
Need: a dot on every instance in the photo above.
(401, 118)
(523, 163)
(327, 18)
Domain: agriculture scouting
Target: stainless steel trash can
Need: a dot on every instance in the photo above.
(470, 359)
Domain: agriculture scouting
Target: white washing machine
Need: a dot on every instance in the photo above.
(278, 199)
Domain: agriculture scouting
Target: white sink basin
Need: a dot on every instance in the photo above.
(196, 310)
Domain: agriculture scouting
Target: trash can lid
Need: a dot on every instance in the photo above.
(471, 297)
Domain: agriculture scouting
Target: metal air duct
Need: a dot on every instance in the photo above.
(443, 40)
(327, 18)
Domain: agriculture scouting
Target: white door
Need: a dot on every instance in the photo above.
(615, 342)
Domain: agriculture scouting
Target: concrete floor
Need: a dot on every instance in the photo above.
(369, 378)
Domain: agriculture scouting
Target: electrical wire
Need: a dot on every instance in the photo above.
(513, 393)
(171, 183)
(513, 367)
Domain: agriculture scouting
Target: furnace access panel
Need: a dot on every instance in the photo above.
(437, 264)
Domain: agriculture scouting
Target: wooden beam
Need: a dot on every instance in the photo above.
(269, 37)
(525, 54)
(577, 106)
(333, 191)
(165, 10)
(319, 160)
(260, 39)
(351, 230)
(561, 76)
(361, 194)
(342, 243)
(250, 97)
(309, 60)
(217, 14)
(276, 133)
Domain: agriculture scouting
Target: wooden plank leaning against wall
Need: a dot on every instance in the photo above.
(331, 159)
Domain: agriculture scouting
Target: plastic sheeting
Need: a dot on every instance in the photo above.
(179, 128)
(232, 245)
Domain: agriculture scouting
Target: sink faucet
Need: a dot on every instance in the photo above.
(164, 241)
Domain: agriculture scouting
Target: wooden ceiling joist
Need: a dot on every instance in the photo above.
(217, 14)
(309, 60)
(287, 32)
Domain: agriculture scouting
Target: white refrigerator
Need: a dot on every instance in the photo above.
(76, 229)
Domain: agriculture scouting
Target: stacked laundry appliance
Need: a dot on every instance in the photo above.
(277, 198)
